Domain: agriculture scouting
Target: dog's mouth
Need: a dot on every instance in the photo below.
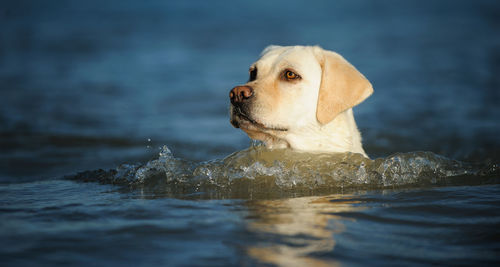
(242, 117)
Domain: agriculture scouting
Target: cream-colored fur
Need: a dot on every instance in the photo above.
(312, 113)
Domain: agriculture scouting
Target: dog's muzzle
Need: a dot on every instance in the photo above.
(240, 96)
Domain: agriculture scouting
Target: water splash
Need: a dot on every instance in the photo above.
(258, 170)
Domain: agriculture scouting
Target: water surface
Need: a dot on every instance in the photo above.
(139, 90)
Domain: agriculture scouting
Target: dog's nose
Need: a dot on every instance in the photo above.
(240, 93)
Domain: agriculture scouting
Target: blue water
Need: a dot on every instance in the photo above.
(87, 85)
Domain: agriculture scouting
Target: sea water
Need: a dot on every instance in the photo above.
(116, 147)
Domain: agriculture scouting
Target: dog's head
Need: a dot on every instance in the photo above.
(292, 88)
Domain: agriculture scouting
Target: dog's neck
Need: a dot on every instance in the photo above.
(339, 135)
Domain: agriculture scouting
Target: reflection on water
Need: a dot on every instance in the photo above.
(61, 223)
(452, 225)
(301, 227)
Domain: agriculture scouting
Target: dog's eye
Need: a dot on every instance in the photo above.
(253, 74)
(290, 75)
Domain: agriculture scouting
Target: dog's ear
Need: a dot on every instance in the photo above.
(342, 86)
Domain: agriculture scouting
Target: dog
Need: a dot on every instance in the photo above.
(301, 97)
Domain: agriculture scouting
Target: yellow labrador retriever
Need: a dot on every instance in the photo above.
(301, 97)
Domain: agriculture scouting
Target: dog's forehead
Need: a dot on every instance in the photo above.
(288, 56)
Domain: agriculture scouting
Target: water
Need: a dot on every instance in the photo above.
(258, 172)
(139, 90)
(62, 222)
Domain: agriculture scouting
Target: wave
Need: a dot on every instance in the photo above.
(258, 171)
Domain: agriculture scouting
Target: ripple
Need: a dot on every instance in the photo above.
(260, 171)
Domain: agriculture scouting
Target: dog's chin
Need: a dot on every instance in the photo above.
(245, 122)
(241, 122)
(272, 137)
